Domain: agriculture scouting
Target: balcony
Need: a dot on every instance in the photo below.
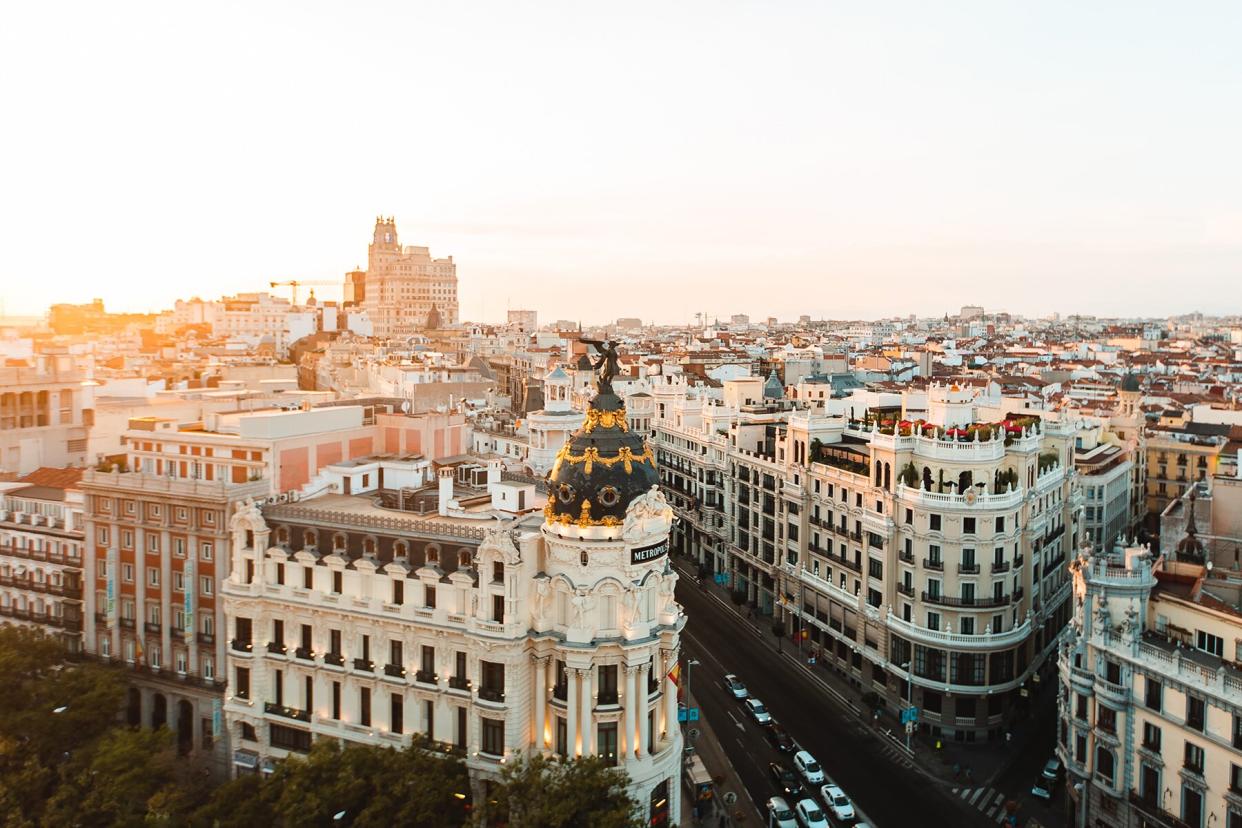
(276, 648)
(335, 659)
(287, 712)
(394, 671)
(976, 601)
(206, 638)
(366, 665)
(906, 590)
(1018, 560)
(152, 627)
(128, 623)
(492, 694)
(906, 557)
(426, 677)
(968, 569)
(936, 565)
(1018, 592)
(1000, 566)
(459, 683)
(1148, 806)
(242, 646)
(304, 653)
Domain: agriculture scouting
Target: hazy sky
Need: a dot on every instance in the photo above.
(597, 160)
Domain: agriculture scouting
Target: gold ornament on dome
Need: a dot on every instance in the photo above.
(584, 516)
(604, 419)
(591, 456)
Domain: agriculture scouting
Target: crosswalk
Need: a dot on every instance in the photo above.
(987, 801)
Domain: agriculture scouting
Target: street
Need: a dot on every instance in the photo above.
(886, 792)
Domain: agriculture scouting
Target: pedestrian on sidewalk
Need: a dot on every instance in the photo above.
(1008, 738)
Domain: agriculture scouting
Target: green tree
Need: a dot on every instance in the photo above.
(370, 786)
(539, 792)
(52, 715)
(118, 781)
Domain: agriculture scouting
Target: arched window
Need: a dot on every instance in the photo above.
(433, 553)
(309, 539)
(1104, 764)
(400, 549)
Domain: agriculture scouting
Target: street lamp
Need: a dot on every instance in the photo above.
(690, 663)
(909, 702)
(1081, 788)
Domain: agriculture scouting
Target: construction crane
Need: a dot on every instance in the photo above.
(296, 283)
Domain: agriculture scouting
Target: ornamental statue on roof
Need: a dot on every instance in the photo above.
(606, 365)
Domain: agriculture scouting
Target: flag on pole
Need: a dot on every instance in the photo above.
(138, 650)
(675, 673)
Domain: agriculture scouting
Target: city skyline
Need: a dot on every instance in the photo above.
(1028, 160)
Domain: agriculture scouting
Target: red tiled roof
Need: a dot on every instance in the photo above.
(53, 478)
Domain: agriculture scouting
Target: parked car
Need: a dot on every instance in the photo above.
(808, 768)
(780, 738)
(733, 685)
(780, 815)
(758, 712)
(787, 782)
(837, 802)
(1049, 776)
(1052, 768)
(810, 815)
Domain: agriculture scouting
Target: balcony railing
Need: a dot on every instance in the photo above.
(975, 601)
(242, 646)
(277, 648)
(336, 659)
(606, 697)
(906, 557)
(459, 682)
(364, 664)
(491, 694)
(906, 590)
(968, 569)
(287, 712)
(999, 566)
(936, 564)
(394, 670)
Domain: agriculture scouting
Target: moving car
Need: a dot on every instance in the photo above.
(780, 738)
(758, 712)
(1046, 784)
(733, 685)
(810, 770)
(786, 781)
(810, 815)
(780, 815)
(838, 803)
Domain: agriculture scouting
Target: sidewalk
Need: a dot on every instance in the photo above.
(983, 761)
(742, 814)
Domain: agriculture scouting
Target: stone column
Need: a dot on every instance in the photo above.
(541, 703)
(571, 718)
(631, 708)
(644, 706)
(588, 704)
(670, 696)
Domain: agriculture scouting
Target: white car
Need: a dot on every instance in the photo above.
(780, 815)
(810, 815)
(733, 685)
(811, 772)
(837, 802)
(758, 712)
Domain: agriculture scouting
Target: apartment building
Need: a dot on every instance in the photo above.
(461, 612)
(405, 287)
(928, 551)
(158, 545)
(1150, 701)
(1175, 459)
(46, 412)
(41, 554)
(1106, 474)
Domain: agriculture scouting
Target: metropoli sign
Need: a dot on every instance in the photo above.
(643, 554)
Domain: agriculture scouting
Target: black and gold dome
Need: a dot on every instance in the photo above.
(601, 468)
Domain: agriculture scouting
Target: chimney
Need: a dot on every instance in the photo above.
(446, 490)
(493, 473)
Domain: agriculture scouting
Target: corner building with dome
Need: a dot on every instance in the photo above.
(474, 617)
